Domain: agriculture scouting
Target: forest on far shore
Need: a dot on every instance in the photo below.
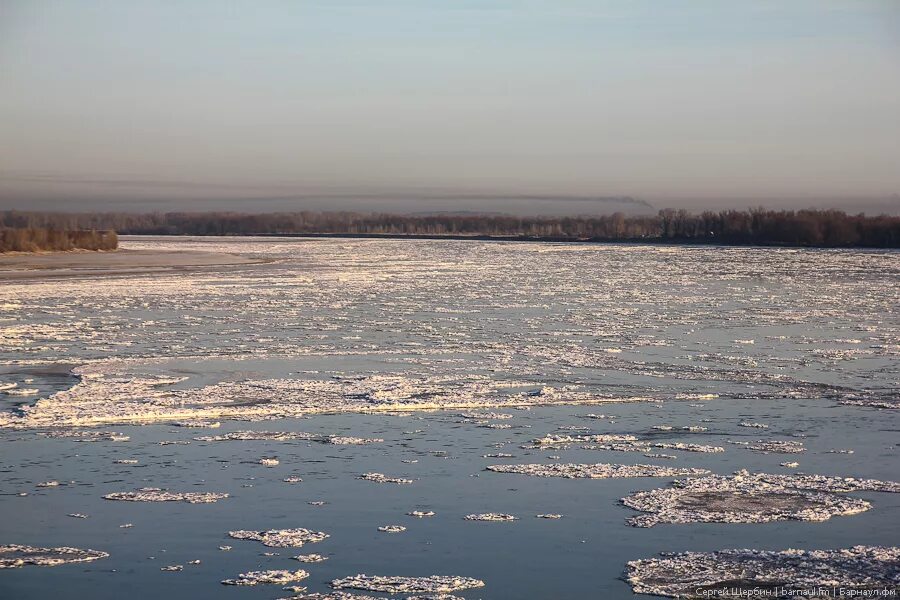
(813, 228)
(37, 239)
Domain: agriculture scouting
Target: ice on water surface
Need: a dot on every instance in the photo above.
(387, 377)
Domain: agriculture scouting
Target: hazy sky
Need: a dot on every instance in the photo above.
(658, 99)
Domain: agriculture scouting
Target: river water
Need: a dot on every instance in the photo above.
(359, 337)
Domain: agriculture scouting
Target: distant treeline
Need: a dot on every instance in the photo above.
(34, 239)
(828, 228)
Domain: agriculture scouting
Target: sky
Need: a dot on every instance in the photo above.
(355, 103)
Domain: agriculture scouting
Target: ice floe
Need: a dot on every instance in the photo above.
(752, 498)
(281, 538)
(595, 471)
(491, 517)
(382, 478)
(392, 528)
(561, 441)
(310, 558)
(87, 436)
(773, 446)
(13, 556)
(151, 494)
(791, 572)
(287, 436)
(434, 584)
(276, 576)
(421, 513)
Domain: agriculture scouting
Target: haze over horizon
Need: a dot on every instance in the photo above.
(416, 106)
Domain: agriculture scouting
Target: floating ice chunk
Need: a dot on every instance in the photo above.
(281, 538)
(150, 494)
(87, 436)
(421, 513)
(659, 455)
(125, 461)
(78, 515)
(792, 572)
(287, 436)
(173, 568)
(336, 595)
(434, 584)
(790, 465)
(491, 517)
(742, 498)
(696, 396)
(688, 428)
(310, 558)
(198, 424)
(47, 484)
(595, 471)
(689, 447)
(776, 446)
(278, 576)
(753, 424)
(382, 478)
(250, 436)
(268, 461)
(549, 516)
(485, 415)
(497, 455)
(561, 442)
(292, 479)
(126, 525)
(840, 451)
(392, 528)
(14, 556)
(316, 503)
(344, 440)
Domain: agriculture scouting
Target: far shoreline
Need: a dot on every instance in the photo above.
(521, 239)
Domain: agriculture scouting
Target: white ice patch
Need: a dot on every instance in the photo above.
(14, 556)
(595, 471)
